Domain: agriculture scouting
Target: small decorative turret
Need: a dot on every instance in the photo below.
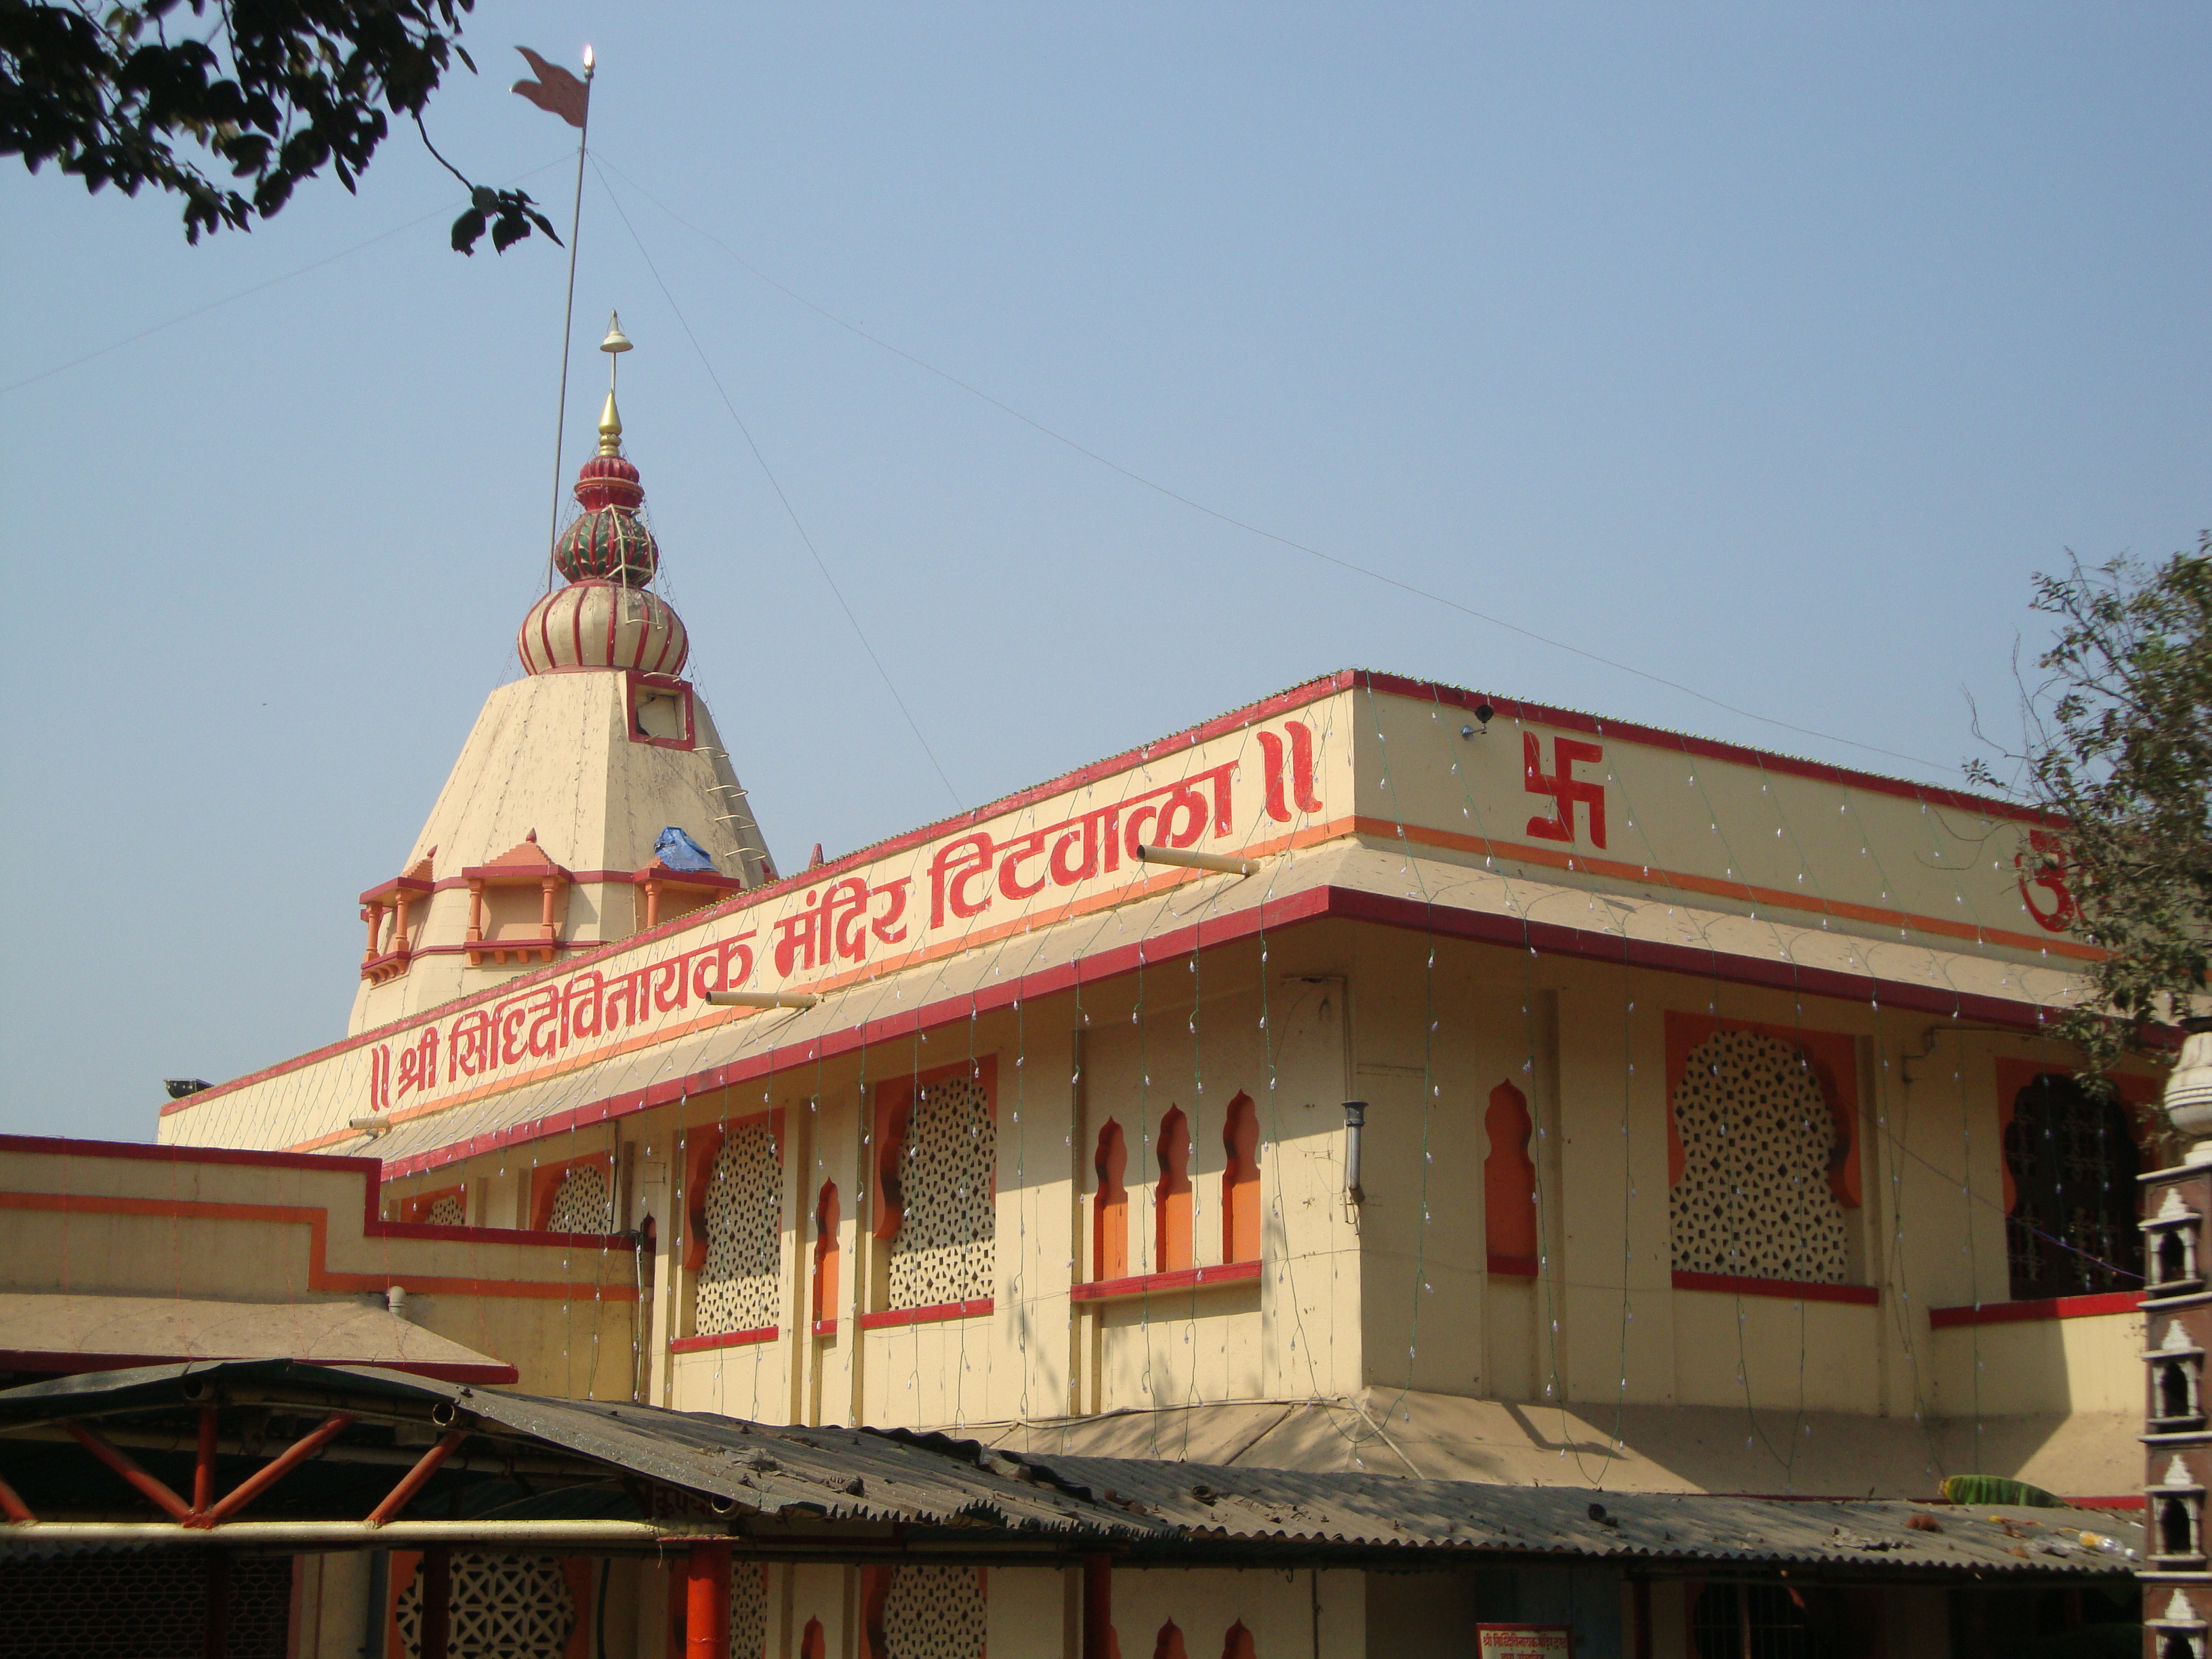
(605, 617)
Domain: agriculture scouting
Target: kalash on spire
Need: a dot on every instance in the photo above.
(592, 800)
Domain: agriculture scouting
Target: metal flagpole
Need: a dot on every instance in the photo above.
(568, 315)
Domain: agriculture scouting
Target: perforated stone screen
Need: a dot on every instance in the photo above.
(140, 1606)
(740, 1283)
(446, 1212)
(1758, 1138)
(934, 1612)
(584, 1203)
(944, 1250)
(504, 1606)
(748, 1611)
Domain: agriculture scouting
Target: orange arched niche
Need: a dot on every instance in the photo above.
(1238, 1643)
(1171, 1195)
(811, 1642)
(825, 1254)
(1109, 1207)
(1240, 1182)
(1169, 1643)
(1509, 1184)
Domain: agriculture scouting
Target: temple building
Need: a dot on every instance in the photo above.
(1385, 1161)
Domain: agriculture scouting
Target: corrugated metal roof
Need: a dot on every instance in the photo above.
(764, 1477)
(1221, 1505)
(803, 1474)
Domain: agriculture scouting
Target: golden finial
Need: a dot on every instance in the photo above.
(614, 345)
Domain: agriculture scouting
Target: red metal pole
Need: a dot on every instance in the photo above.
(437, 1601)
(215, 1634)
(158, 1494)
(270, 1472)
(707, 1601)
(1098, 1608)
(203, 1467)
(411, 1482)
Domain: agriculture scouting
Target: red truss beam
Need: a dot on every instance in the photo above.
(273, 1470)
(411, 1482)
(159, 1495)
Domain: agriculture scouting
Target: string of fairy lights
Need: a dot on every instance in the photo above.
(1024, 1288)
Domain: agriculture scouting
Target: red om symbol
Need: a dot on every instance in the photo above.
(1301, 794)
(2044, 866)
(1563, 786)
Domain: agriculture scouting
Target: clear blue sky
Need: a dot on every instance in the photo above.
(1768, 350)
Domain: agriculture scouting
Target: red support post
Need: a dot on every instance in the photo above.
(273, 1470)
(707, 1601)
(411, 1482)
(1098, 1642)
(203, 1464)
(159, 1495)
(214, 1633)
(437, 1601)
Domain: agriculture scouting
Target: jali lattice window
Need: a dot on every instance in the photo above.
(748, 1610)
(1758, 1141)
(580, 1198)
(503, 1607)
(930, 1613)
(2071, 1160)
(739, 1285)
(942, 1194)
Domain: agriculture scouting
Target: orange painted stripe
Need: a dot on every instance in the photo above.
(320, 1276)
(1523, 854)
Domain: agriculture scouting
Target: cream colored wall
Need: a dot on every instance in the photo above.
(1336, 1306)
(1279, 1607)
(1342, 1288)
(1587, 1045)
(2040, 1367)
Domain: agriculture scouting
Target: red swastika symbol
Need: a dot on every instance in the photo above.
(1563, 788)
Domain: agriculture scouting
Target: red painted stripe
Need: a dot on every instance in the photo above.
(1513, 1267)
(944, 1310)
(727, 1339)
(1794, 1290)
(825, 1328)
(2053, 1307)
(2126, 1500)
(1179, 1278)
(1314, 904)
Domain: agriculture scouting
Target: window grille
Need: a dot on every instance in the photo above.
(503, 1607)
(1758, 1139)
(143, 1605)
(739, 1286)
(584, 1202)
(944, 1250)
(934, 1612)
(2072, 1228)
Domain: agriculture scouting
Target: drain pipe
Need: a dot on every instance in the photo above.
(1355, 1120)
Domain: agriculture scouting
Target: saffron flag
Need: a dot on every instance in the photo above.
(555, 89)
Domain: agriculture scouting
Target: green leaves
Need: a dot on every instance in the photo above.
(269, 94)
(508, 214)
(2120, 748)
